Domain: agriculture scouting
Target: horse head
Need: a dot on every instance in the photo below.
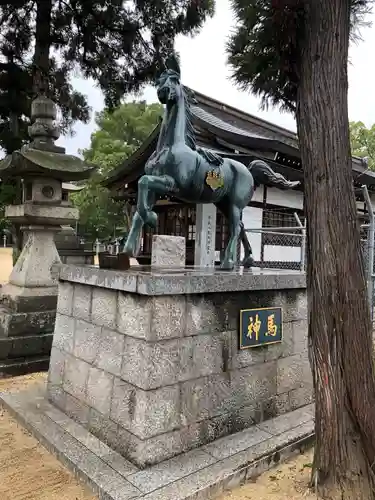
(169, 88)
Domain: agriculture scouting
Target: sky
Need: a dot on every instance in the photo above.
(204, 69)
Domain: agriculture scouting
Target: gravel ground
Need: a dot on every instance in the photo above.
(289, 481)
(27, 470)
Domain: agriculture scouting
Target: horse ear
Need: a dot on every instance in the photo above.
(173, 63)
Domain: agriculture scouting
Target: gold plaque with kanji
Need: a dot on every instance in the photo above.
(214, 180)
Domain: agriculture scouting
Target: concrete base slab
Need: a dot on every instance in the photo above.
(196, 475)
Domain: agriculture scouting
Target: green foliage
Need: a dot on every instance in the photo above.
(99, 215)
(119, 44)
(119, 134)
(363, 142)
(265, 47)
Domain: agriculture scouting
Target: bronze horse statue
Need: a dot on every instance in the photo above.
(179, 168)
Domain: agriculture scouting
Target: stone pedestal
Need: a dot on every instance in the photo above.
(149, 363)
(28, 300)
(205, 235)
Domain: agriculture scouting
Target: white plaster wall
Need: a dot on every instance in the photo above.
(290, 198)
(276, 253)
(360, 205)
(258, 195)
(252, 218)
(372, 198)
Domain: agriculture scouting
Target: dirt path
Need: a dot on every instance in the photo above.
(6, 264)
(29, 472)
(287, 482)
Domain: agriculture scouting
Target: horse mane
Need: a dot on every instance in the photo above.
(172, 66)
(209, 156)
(189, 99)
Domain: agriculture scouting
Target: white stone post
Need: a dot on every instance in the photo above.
(117, 247)
(97, 247)
(205, 235)
(168, 251)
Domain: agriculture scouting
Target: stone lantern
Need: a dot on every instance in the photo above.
(70, 250)
(28, 301)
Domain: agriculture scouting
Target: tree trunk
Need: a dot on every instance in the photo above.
(16, 228)
(14, 144)
(339, 318)
(42, 46)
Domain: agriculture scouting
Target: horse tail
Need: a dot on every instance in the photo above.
(263, 174)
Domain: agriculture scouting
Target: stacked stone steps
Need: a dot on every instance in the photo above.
(24, 365)
(25, 346)
(25, 337)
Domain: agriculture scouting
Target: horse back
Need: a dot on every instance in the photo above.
(210, 182)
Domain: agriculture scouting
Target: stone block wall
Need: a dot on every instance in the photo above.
(154, 376)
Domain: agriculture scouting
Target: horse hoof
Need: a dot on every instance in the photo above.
(248, 262)
(227, 265)
(128, 250)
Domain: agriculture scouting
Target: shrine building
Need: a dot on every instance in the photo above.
(232, 133)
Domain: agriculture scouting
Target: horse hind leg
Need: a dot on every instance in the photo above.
(227, 209)
(248, 260)
(230, 256)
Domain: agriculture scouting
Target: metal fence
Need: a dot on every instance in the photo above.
(284, 247)
(368, 243)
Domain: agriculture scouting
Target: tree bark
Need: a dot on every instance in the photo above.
(42, 46)
(340, 337)
(16, 143)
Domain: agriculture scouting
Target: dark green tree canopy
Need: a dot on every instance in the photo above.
(119, 44)
(265, 48)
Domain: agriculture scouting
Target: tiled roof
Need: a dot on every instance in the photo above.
(221, 124)
(231, 126)
(241, 137)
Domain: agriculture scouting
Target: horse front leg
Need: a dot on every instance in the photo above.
(160, 185)
(146, 201)
(148, 187)
(230, 256)
(133, 240)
